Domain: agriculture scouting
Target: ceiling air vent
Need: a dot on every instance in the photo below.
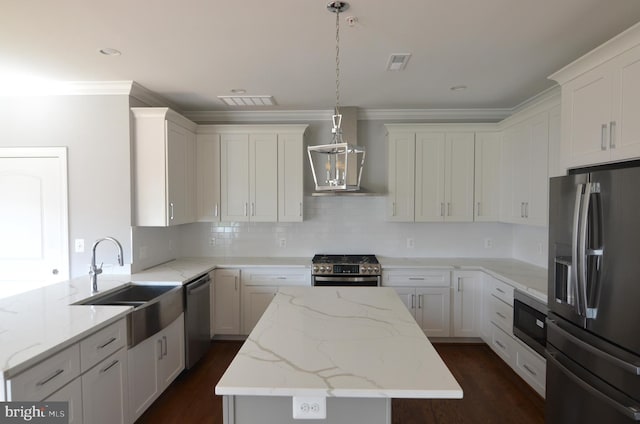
(398, 61)
(248, 101)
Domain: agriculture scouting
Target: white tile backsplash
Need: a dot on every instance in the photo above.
(343, 224)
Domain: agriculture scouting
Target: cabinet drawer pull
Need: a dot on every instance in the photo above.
(253, 209)
(603, 137)
(160, 350)
(459, 278)
(441, 209)
(416, 278)
(612, 134)
(413, 301)
(235, 283)
(448, 208)
(164, 338)
(478, 210)
(51, 377)
(281, 278)
(501, 315)
(393, 209)
(245, 209)
(300, 208)
(419, 301)
(500, 290)
(503, 347)
(111, 340)
(108, 367)
(171, 211)
(215, 210)
(532, 372)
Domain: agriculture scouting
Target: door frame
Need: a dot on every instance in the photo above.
(60, 153)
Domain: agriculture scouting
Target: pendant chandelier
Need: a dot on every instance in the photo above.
(337, 166)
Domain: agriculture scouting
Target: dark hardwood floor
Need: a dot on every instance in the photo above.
(493, 393)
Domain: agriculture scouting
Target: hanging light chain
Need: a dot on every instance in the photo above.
(337, 111)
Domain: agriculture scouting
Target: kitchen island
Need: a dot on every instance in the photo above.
(354, 348)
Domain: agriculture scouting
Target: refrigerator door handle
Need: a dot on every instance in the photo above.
(582, 249)
(623, 365)
(575, 251)
(632, 412)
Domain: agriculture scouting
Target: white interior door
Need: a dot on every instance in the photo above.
(33, 219)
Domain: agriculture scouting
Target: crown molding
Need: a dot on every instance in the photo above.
(485, 115)
(150, 98)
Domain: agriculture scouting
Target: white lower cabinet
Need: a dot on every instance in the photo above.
(153, 365)
(226, 308)
(427, 294)
(71, 393)
(497, 332)
(260, 285)
(430, 308)
(105, 391)
(467, 297)
(91, 375)
(255, 300)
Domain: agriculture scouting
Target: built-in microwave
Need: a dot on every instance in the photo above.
(529, 321)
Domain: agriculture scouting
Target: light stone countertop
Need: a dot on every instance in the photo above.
(521, 275)
(338, 342)
(40, 322)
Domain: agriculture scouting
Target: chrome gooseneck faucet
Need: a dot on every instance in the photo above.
(95, 270)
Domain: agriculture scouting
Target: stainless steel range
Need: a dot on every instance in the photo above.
(346, 270)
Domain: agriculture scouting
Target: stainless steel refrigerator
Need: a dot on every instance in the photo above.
(593, 333)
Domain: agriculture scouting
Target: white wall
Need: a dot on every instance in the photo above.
(95, 129)
(531, 244)
(345, 225)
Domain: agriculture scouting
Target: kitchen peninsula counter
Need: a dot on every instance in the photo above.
(357, 347)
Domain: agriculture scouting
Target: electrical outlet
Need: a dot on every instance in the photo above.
(212, 241)
(282, 242)
(411, 243)
(309, 408)
(78, 245)
(488, 243)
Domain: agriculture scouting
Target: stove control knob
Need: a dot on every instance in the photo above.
(315, 268)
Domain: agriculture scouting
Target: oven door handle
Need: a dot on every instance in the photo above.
(350, 278)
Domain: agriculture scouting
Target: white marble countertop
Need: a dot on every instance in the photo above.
(521, 275)
(38, 323)
(338, 342)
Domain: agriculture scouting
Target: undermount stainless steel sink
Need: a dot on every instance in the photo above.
(155, 307)
(133, 294)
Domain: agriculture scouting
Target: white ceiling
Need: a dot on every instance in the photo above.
(192, 51)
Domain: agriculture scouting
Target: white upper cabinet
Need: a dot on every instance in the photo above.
(459, 174)
(401, 178)
(250, 173)
(164, 167)
(601, 102)
(488, 157)
(525, 170)
(431, 172)
(290, 177)
(208, 176)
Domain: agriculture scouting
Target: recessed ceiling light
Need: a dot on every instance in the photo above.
(107, 51)
(458, 88)
(238, 90)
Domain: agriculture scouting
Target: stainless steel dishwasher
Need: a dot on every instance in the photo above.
(197, 322)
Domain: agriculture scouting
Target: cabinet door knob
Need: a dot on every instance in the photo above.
(603, 137)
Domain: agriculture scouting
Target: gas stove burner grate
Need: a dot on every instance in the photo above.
(344, 259)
